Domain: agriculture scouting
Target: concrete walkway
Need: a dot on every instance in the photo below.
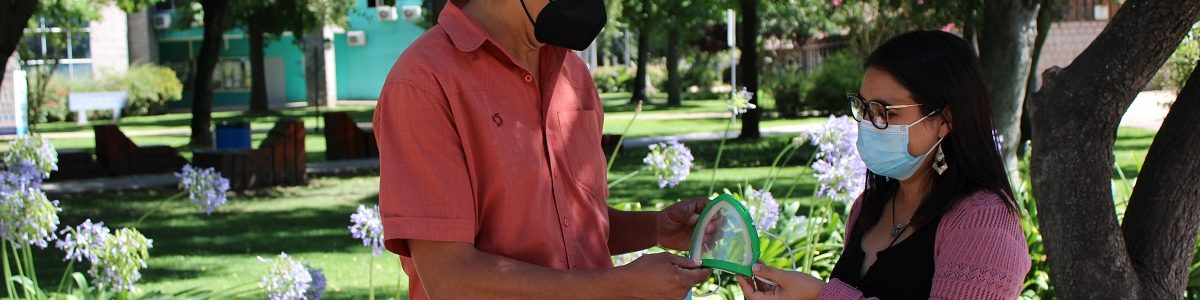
(1148, 110)
(169, 181)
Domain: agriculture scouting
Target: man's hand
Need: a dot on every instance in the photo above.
(661, 276)
(674, 224)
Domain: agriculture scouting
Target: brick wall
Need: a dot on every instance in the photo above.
(1066, 40)
(110, 42)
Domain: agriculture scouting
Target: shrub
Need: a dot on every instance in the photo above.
(610, 79)
(150, 88)
(787, 86)
(839, 74)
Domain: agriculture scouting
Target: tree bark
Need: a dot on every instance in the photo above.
(14, 17)
(643, 55)
(1163, 216)
(1046, 17)
(258, 77)
(1074, 121)
(202, 90)
(674, 87)
(1005, 48)
(749, 64)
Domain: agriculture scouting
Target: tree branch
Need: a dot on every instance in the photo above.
(1163, 216)
(1074, 121)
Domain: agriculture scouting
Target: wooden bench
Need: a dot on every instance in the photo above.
(77, 164)
(117, 153)
(345, 140)
(280, 159)
(81, 103)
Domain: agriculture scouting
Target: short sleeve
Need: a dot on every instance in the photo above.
(425, 190)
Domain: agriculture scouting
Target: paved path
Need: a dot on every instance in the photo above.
(1148, 110)
(163, 181)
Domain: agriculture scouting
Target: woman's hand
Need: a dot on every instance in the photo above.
(788, 285)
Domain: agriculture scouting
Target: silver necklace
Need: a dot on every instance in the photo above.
(897, 228)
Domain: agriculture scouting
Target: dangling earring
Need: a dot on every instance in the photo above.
(939, 161)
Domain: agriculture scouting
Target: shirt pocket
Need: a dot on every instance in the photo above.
(580, 132)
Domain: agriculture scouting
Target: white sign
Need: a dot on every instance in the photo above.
(14, 104)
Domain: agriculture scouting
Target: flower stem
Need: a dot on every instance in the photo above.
(63, 282)
(774, 172)
(371, 277)
(7, 272)
(621, 140)
(400, 277)
(720, 150)
(626, 177)
(793, 188)
(19, 264)
(32, 270)
(156, 208)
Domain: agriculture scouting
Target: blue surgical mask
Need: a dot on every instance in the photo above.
(885, 151)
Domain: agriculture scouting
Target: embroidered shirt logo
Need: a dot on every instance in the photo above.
(498, 120)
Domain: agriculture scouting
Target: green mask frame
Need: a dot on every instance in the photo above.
(725, 237)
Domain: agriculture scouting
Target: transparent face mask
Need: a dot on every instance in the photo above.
(725, 238)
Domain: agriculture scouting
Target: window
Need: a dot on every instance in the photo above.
(231, 74)
(49, 43)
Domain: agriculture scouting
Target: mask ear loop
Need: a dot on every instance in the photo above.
(526, 8)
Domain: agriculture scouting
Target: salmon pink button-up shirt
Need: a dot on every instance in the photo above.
(474, 149)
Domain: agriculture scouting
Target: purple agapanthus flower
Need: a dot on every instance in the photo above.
(83, 241)
(205, 187)
(840, 172)
(763, 208)
(316, 289)
(286, 278)
(671, 162)
(365, 224)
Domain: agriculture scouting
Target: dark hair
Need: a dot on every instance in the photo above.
(942, 72)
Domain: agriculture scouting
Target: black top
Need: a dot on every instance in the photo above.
(902, 271)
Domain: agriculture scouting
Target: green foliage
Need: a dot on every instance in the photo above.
(1179, 67)
(839, 74)
(788, 86)
(150, 88)
(49, 104)
(611, 79)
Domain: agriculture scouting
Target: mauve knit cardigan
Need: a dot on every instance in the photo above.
(979, 253)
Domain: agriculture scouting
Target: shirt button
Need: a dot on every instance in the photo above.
(566, 223)
(528, 78)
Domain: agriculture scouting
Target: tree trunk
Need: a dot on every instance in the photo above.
(643, 55)
(14, 17)
(202, 90)
(1047, 15)
(258, 77)
(1074, 121)
(749, 64)
(674, 89)
(1005, 48)
(1163, 216)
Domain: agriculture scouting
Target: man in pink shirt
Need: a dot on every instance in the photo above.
(493, 183)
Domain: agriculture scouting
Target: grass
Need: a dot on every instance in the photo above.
(218, 252)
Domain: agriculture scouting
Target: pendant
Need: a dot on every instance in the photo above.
(896, 230)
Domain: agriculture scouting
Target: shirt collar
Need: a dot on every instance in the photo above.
(466, 34)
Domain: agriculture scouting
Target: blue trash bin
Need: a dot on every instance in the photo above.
(233, 135)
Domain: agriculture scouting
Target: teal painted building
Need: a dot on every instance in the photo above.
(361, 54)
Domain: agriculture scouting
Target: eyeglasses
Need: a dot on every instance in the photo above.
(874, 111)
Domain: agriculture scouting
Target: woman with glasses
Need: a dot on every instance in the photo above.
(937, 218)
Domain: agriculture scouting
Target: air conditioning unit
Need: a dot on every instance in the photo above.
(411, 12)
(356, 38)
(387, 13)
(1100, 12)
(161, 21)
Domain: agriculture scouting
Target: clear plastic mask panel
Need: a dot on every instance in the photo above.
(725, 238)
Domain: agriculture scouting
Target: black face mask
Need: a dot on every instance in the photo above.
(571, 24)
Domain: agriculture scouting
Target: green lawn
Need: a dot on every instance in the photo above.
(217, 252)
